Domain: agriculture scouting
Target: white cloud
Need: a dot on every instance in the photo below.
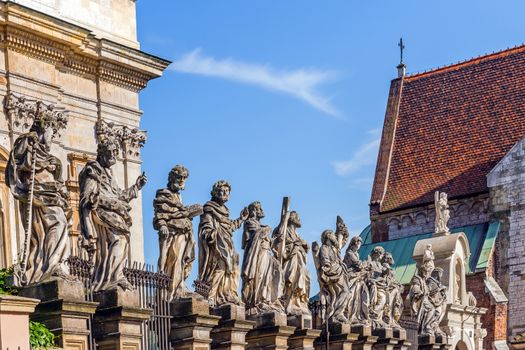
(363, 156)
(300, 83)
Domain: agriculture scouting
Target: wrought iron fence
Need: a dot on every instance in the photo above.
(153, 289)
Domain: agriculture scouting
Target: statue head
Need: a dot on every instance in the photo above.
(45, 129)
(255, 210)
(107, 152)
(177, 178)
(294, 219)
(437, 273)
(377, 253)
(220, 192)
(355, 243)
(328, 238)
(388, 259)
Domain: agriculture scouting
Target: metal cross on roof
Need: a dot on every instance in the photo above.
(401, 47)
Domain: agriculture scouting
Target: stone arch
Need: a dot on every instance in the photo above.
(461, 345)
(394, 224)
(406, 221)
(421, 218)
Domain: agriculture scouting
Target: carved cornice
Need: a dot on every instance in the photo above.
(131, 140)
(75, 49)
(22, 112)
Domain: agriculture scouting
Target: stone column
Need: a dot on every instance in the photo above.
(64, 310)
(230, 333)
(340, 337)
(191, 324)
(304, 336)
(14, 321)
(271, 332)
(385, 339)
(118, 321)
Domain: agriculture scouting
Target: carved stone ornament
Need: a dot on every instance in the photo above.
(442, 213)
(22, 112)
(130, 140)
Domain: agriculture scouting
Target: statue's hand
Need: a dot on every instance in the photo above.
(141, 180)
(163, 231)
(244, 214)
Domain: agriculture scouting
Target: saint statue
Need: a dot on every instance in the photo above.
(394, 290)
(218, 260)
(332, 275)
(104, 216)
(442, 213)
(173, 221)
(292, 255)
(261, 271)
(34, 177)
(427, 299)
(377, 285)
(358, 307)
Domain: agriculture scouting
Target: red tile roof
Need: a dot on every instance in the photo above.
(447, 128)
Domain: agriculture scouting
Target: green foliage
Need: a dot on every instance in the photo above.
(5, 284)
(40, 337)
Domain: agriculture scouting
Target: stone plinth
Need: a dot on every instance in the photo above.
(14, 321)
(402, 342)
(117, 323)
(271, 332)
(365, 339)
(63, 310)
(304, 336)
(230, 333)
(191, 324)
(385, 339)
(340, 337)
(429, 342)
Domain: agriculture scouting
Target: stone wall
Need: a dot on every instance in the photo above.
(507, 201)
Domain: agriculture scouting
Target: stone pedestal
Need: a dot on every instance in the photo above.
(63, 310)
(230, 333)
(385, 339)
(402, 342)
(340, 337)
(14, 321)
(191, 324)
(365, 339)
(271, 332)
(117, 324)
(303, 338)
(428, 342)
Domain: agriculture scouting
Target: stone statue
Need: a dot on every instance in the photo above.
(104, 216)
(442, 213)
(427, 298)
(293, 260)
(394, 291)
(173, 222)
(377, 285)
(218, 260)
(358, 307)
(332, 275)
(261, 271)
(34, 177)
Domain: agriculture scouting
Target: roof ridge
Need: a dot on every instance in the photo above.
(467, 62)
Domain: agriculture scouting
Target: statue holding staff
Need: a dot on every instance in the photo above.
(34, 177)
(218, 260)
(173, 222)
(104, 216)
(261, 271)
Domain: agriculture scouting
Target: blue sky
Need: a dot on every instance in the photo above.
(288, 97)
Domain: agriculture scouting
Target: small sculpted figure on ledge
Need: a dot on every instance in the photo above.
(427, 298)
(359, 305)
(292, 254)
(261, 271)
(104, 216)
(218, 260)
(34, 177)
(173, 221)
(332, 274)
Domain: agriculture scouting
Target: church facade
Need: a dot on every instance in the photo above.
(82, 59)
(459, 129)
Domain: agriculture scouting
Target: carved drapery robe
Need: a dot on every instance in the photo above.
(104, 217)
(333, 284)
(49, 244)
(378, 293)
(394, 291)
(177, 250)
(261, 271)
(218, 260)
(426, 304)
(296, 277)
(358, 307)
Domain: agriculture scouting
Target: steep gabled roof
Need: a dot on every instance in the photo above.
(447, 128)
